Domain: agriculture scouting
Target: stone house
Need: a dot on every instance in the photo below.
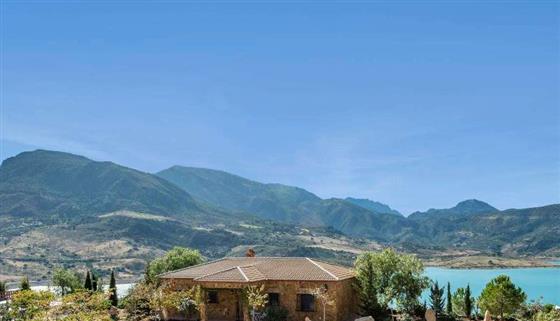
(289, 283)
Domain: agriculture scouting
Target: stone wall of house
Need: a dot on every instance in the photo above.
(341, 292)
(228, 299)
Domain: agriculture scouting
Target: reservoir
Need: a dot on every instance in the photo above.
(536, 282)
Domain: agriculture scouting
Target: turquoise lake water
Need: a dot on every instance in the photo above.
(536, 282)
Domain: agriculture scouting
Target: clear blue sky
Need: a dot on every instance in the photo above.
(415, 104)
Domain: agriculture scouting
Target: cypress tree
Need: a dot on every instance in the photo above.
(24, 285)
(3, 288)
(87, 284)
(468, 302)
(93, 282)
(449, 304)
(436, 299)
(113, 290)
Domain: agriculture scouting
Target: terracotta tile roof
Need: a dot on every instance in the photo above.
(252, 269)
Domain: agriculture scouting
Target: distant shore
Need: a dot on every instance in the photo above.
(489, 262)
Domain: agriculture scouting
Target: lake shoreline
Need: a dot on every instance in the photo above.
(490, 262)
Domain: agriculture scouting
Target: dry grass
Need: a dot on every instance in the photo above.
(137, 215)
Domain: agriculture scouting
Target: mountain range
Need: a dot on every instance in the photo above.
(60, 207)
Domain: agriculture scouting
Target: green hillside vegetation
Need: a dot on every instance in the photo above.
(528, 231)
(45, 183)
(372, 205)
(282, 203)
(466, 207)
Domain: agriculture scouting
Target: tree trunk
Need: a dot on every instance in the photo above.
(246, 314)
(202, 310)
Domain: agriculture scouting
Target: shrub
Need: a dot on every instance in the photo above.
(83, 305)
(139, 302)
(276, 313)
(29, 304)
(551, 315)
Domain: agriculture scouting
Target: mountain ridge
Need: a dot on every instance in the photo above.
(373, 205)
(465, 207)
(278, 202)
(52, 183)
(52, 198)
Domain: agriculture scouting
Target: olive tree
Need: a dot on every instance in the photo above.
(256, 299)
(322, 295)
(66, 280)
(390, 277)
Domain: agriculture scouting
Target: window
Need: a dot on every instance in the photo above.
(212, 296)
(306, 302)
(274, 299)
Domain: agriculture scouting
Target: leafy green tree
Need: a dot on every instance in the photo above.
(66, 280)
(396, 278)
(176, 258)
(459, 302)
(113, 290)
(436, 298)
(449, 307)
(24, 284)
(501, 297)
(87, 284)
(468, 302)
(366, 284)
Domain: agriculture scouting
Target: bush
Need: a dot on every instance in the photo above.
(551, 315)
(30, 304)
(83, 306)
(139, 301)
(276, 313)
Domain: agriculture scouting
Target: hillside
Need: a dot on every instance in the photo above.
(64, 209)
(228, 191)
(372, 205)
(45, 183)
(283, 203)
(515, 232)
(466, 207)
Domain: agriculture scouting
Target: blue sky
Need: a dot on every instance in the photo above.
(415, 104)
